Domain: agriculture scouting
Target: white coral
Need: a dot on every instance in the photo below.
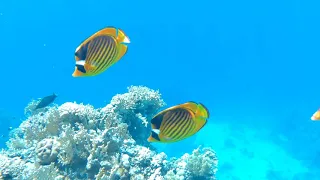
(47, 150)
(76, 141)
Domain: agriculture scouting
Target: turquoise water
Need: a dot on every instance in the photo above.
(253, 63)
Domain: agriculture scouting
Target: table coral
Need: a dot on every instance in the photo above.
(76, 141)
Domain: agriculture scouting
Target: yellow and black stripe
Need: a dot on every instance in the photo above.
(102, 53)
(178, 122)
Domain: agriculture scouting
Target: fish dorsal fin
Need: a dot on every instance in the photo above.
(117, 33)
(190, 105)
(197, 108)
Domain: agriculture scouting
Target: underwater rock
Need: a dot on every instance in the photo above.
(76, 141)
(47, 151)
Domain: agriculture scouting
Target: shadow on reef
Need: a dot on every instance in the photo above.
(76, 141)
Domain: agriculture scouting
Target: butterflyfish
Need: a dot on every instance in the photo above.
(178, 122)
(45, 101)
(100, 51)
(316, 116)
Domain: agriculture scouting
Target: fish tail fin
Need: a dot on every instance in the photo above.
(203, 111)
(123, 40)
(122, 37)
(200, 122)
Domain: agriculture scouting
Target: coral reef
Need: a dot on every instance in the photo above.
(76, 141)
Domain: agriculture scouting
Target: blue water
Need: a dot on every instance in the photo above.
(254, 64)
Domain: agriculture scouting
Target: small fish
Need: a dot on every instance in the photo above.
(100, 51)
(316, 116)
(46, 101)
(178, 122)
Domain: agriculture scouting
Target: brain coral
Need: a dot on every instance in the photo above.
(76, 141)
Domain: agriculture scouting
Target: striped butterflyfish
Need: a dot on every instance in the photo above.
(178, 122)
(100, 51)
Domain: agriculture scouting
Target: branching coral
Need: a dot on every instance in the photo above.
(76, 141)
(135, 108)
